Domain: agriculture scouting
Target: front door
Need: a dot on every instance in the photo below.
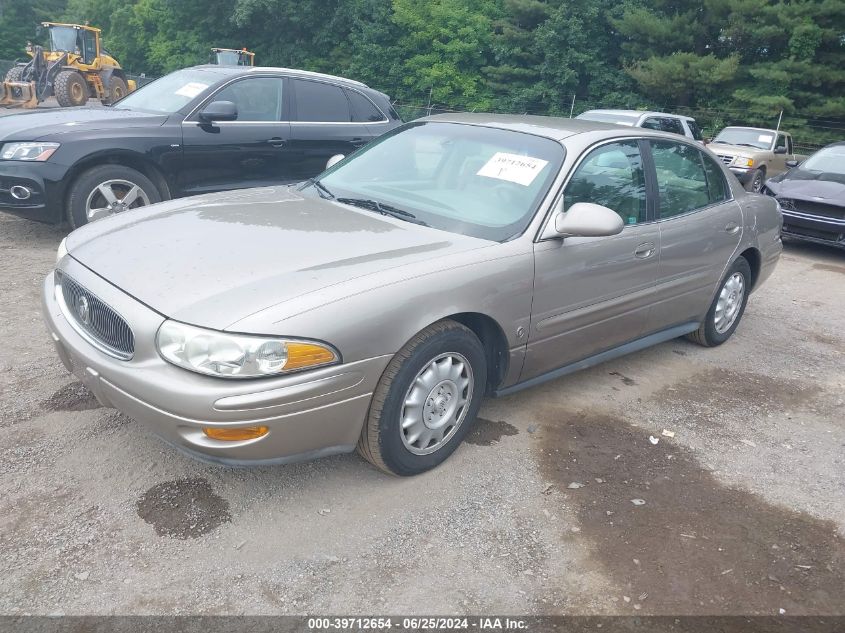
(592, 294)
(252, 151)
(700, 229)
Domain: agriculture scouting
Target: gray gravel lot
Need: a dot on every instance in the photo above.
(744, 507)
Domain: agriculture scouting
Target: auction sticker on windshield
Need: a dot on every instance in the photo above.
(765, 138)
(191, 89)
(513, 168)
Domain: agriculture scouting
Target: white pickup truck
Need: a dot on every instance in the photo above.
(754, 154)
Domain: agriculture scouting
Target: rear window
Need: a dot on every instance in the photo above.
(320, 102)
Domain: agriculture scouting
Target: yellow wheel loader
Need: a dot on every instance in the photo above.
(232, 57)
(74, 68)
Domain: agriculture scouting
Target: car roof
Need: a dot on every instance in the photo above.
(556, 128)
(751, 127)
(640, 113)
(243, 70)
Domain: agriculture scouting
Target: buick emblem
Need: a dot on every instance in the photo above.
(83, 310)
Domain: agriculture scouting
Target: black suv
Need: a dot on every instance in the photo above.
(197, 130)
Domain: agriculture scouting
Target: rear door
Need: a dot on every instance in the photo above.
(322, 125)
(700, 229)
(252, 151)
(594, 293)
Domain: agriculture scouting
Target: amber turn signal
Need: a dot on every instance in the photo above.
(307, 355)
(236, 434)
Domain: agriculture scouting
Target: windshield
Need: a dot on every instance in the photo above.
(228, 58)
(467, 179)
(63, 38)
(761, 139)
(610, 117)
(830, 160)
(172, 92)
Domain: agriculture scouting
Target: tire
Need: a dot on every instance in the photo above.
(118, 179)
(758, 179)
(384, 441)
(70, 89)
(709, 334)
(15, 73)
(117, 89)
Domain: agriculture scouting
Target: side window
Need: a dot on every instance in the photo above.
(257, 98)
(717, 188)
(611, 176)
(673, 125)
(781, 143)
(89, 46)
(789, 145)
(652, 124)
(696, 131)
(320, 102)
(363, 109)
(681, 182)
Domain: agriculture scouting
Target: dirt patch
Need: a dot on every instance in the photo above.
(693, 546)
(830, 268)
(184, 508)
(488, 432)
(72, 397)
(625, 380)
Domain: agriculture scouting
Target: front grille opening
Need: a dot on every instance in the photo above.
(95, 318)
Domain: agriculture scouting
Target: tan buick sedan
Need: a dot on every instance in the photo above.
(375, 307)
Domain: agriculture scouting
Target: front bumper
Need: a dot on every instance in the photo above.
(809, 227)
(743, 174)
(310, 414)
(43, 181)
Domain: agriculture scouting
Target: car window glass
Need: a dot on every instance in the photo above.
(652, 124)
(257, 98)
(611, 176)
(781, 141)
(717, 187)
(673, 125)
(316, 101)
(362, 108)
(695, 130)
(89, 46)
(789, 145)
(681, 182)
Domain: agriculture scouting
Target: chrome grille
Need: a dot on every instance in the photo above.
(725, 158)
(104, 327)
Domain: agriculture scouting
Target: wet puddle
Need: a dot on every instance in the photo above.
(487, 432)
(184, 508)
(674, 539)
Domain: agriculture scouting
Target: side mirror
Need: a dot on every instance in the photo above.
(334, 160)
(584, 219)
(792, 163)
(780, 150)
(219, 111)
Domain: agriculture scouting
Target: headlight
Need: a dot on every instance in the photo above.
(62, 250)
(238, 355)
(28, 151)
(741, 161)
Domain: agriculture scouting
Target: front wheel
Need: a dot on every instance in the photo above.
(757, 181)
(70, 89)
(108, 189)
(426, 401)
(727, 308)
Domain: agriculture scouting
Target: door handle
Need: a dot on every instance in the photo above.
(644, 250)
(731, 227)
(277, 142)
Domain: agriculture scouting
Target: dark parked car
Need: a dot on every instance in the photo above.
(812, 197)
(194, 131)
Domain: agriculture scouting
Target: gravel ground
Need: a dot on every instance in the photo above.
(558, 502)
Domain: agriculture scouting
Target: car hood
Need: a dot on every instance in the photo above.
(36, 125)
(808, 185)
(725, 148)
(213, 260)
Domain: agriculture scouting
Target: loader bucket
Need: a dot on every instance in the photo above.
(18, 94)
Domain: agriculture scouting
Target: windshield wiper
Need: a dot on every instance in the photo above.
(384, 209)
(321, 189)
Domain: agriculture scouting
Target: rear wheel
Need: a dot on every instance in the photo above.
(117, 90)
(107, 190)
(70, 89)
(426, 401)
(727, 308)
